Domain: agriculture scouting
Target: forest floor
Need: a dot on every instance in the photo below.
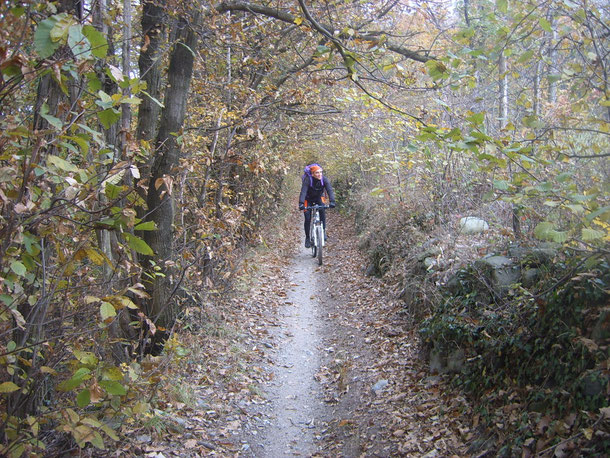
(303, 360)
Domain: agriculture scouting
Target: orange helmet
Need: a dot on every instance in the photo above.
(315, 168)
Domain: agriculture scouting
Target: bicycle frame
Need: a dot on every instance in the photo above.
(316, 231)
(316, 222)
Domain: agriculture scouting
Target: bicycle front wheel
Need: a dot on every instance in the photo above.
(320, 243)
(313, 242)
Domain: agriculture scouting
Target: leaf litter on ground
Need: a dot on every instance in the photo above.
(218, 397)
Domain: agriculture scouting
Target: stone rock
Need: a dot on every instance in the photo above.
(429, 263)
(473, 225)
(430, 252)
(380, 386)
(601, 330)
(540, 255)
(437, 365)
(500, 270)
(455, 361)
(530, 277)
(450, 363)
(594, 384)
(372, 270)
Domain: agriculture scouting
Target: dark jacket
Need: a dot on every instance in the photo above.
(312, 191)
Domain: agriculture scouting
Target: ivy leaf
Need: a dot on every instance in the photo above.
(18, 268)
(99, 45)
(139, 245)
(43, 44)
(83, 398)
(112, 387)
(147, 226)
(543, 230)
(8, 387)
(107, 310)
(78, 43)
(108, 117)
(589, 234)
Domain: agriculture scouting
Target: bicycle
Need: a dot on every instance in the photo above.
(316, 231)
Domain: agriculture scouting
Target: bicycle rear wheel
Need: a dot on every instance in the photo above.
(319, 242)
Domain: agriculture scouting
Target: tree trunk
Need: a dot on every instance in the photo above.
(503, 116)
(159, 199)
(553, 58)
(126, 58)
(503, 86)
(536, 96)
(153, 35)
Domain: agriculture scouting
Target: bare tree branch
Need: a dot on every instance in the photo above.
(325, 30)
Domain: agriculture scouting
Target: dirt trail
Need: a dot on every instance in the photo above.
(345, 379)
(296, 397)
(309, 361)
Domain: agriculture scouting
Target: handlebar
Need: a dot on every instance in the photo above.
(316, 207)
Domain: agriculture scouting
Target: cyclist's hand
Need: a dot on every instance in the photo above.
(332, 205)
(301, 207)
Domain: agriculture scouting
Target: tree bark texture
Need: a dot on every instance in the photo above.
(149, 62)
(159, 199)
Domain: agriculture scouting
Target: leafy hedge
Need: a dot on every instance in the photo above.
(544, 352)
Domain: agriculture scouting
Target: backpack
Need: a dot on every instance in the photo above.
(308, 173)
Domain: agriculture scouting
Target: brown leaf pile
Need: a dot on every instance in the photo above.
(382, 400)
(386, 402)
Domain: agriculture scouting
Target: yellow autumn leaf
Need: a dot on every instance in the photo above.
(8, 387)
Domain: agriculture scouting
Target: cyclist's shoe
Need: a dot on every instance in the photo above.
(307, 243)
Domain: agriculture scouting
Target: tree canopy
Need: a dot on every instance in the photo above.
(128, 191)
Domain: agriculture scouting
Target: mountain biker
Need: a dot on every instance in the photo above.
(312, 191)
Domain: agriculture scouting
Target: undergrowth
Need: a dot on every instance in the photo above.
(537, 364)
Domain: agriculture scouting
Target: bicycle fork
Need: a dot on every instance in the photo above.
(314, 233)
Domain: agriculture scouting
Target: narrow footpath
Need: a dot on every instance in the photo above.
(345, 378)
(296, 405)
(306, 361)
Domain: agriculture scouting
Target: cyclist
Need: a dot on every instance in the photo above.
(312, 191)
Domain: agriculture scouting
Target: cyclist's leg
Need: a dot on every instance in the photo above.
(307, 226)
